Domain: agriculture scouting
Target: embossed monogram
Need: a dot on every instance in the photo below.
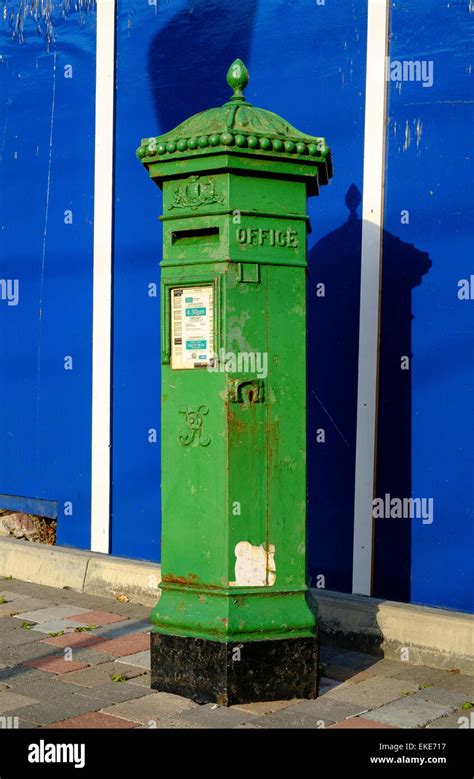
(194, 422)
(197, 192)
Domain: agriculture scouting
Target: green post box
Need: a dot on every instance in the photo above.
(234, 622)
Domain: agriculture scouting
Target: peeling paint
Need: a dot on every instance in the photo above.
(254, 565)
(41, 17)
(419, 130)
(235, 333)
(407, 136)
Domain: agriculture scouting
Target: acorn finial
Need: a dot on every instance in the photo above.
(237, 79)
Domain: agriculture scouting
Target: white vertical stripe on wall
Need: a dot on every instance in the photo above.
(370, 288)
(102, 284)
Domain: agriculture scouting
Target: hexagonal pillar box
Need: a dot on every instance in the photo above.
(234, 622)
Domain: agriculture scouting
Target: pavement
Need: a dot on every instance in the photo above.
(73, 660)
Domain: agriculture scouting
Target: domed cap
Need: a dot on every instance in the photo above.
(240, 128)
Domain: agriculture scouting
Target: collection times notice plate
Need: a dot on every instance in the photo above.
(192, 327)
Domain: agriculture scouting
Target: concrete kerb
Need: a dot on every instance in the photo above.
(419, 634)
(88, 572)
(400, 631)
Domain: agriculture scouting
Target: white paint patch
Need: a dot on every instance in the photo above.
(254, 565)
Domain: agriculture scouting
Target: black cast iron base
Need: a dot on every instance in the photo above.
(215, 672)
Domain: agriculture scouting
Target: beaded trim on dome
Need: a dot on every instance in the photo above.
(237, 127)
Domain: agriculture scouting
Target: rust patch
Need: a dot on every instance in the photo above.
(273, 441)
(235, 424)
(192, 580)
(172, 579)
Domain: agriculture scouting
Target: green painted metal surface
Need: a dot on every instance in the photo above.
(235, 181)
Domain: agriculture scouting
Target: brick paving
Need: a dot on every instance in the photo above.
(98, 618)
(56, 664)
(69, 660)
